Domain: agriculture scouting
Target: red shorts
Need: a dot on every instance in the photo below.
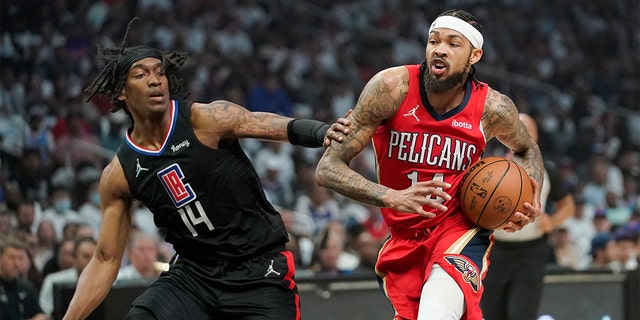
(406, 259)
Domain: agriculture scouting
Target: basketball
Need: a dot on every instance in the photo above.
(493, 190)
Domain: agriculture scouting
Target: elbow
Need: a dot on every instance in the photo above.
(322, 172)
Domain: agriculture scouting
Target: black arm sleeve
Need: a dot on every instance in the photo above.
(306, 132)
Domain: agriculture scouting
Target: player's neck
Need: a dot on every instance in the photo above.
(442, 102)
(151, 133)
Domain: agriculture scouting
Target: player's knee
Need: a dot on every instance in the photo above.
(441, 297)
(140, 313)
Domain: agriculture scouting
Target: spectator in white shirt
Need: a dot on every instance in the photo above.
(82, 252)
(143, 252)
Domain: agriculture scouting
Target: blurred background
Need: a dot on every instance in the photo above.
(573, 65)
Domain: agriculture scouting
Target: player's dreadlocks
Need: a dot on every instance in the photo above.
(111, 79)
(473, 21)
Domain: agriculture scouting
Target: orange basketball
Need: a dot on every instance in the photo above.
(493, 190)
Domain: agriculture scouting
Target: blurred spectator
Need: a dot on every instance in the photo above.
(278, 192)
(317, 206)
(605, 253)
(18, 297)
(581, 230)
(142, 251)
(617, 213)
(6, 223)
(604, 177)
(60, 213)
(27, 269)
(366, 248)
(565, 252)
(47, 241)
(300, 243)
(601, 223)
(331, 257)
(232, 41)
(39, 136)
(31, 177)
(627, 239)
(83, 250)
(274, 155)
(89, 211)
(75, 142)
(62, 259)
(269, 95)
(631, 196)
(85, 231)
(26, 215)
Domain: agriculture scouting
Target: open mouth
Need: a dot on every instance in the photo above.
(438, 66)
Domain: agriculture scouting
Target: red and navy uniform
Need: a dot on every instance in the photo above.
(417, 144)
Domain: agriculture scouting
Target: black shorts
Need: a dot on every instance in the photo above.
(260, 288)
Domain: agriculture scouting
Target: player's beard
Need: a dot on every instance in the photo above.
(436, 85)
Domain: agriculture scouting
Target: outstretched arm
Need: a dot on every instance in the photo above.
(96, 279)
(221, 120)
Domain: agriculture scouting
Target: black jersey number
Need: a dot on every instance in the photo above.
(190, 219)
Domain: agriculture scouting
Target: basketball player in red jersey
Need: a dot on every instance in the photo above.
(428, 123)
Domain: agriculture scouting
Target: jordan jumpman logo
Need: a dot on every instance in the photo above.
(413, 113)
(139, 168)
(270, 270)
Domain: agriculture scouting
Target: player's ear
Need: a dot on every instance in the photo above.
(122, 95)
(476, 54)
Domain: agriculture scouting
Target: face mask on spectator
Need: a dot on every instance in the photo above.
(95, 198)
(63, 205)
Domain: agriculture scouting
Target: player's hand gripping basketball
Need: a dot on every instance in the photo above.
(533, 210)
(415, 198)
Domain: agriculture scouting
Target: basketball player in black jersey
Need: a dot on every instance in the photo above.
(183, 160)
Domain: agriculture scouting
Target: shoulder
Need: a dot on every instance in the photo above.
(499, 115)
(394, 78)
(113, 180)
(500, 105)
(221, 113)
(383, 95)
(497, 100)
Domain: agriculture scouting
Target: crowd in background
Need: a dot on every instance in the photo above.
(571, 64)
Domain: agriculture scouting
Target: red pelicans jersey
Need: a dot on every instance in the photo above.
(418, 144)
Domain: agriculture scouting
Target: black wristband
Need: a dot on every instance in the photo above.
(306, 132)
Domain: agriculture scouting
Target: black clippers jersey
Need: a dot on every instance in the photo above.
(210, 201)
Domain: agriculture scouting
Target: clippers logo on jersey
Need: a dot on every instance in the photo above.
(180, 192)
(468, 271)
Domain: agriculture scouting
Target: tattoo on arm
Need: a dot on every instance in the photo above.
(500, 119)
(240, 123)
(377, 102)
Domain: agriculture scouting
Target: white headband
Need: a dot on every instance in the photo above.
(468, 31)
